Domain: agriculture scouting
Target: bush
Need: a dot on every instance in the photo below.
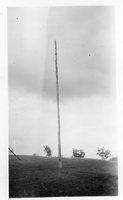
(78, 153)
(103, 153)
(35, 154)
(48, 151)
(114, 159)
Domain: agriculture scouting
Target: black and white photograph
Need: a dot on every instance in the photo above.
(62, 128)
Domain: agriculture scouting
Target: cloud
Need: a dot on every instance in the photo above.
(86, 63)
(85, 51)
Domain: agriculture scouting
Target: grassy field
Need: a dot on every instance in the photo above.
(40, 177)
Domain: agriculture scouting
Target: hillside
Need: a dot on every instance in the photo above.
(35, 176)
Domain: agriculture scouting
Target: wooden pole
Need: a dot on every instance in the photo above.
(14, 154)
(58, 110)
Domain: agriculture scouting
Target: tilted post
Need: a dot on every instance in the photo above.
(58, 110)
(14, 154)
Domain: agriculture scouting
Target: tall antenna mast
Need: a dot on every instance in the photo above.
(58, 110)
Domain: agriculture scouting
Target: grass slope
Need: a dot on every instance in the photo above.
(40, 177)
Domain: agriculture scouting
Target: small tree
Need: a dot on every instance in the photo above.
(78, 153)
(103, 153)
(48, 150)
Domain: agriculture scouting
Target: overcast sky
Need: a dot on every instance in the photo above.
(86, 61)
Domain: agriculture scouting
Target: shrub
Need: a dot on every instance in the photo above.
(78, 153)
(48, 151)
(35, 154)
(103, 153)
(114, 159)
